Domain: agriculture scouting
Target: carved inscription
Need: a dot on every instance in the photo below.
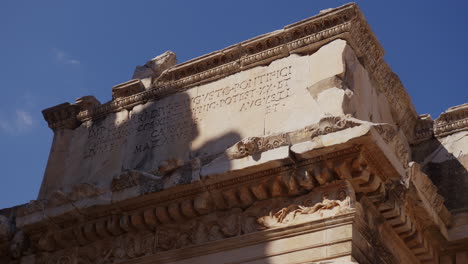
(106, 138)
(175, 121)
(165, 124)
(265, 90)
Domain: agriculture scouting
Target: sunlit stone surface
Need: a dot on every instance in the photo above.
(298, 146)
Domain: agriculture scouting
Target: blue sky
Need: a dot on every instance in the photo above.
(56, 51)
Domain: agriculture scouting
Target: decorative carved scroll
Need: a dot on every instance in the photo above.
(253, 145)
(63, 116)
(332, 124)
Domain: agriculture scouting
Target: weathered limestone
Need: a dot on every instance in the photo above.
(207, 119)
(297, 146)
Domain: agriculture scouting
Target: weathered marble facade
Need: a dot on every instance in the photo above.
(297, 146)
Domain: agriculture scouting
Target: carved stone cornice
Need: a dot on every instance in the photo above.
(455, 119)
(254, 145)
(224, 207)
(174, 244)
(189, 202)
(304, 37)
(125, 237)
(413, 208)
(424, 128)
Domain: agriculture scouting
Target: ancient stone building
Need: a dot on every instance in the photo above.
(297, 146)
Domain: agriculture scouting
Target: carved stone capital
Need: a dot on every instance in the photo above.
(63, 116)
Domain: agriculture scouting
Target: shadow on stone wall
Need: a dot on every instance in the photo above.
(447, 170)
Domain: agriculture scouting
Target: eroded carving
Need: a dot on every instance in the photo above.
(304, 209)
(453, 120)
(253, 145)
(391, 136)
(330, 124)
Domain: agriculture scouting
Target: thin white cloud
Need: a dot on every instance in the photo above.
(21, 121)
(62, 57)
(23, 118)
(5, 125)
(72, 61)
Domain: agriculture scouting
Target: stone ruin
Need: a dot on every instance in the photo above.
(297, 146)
